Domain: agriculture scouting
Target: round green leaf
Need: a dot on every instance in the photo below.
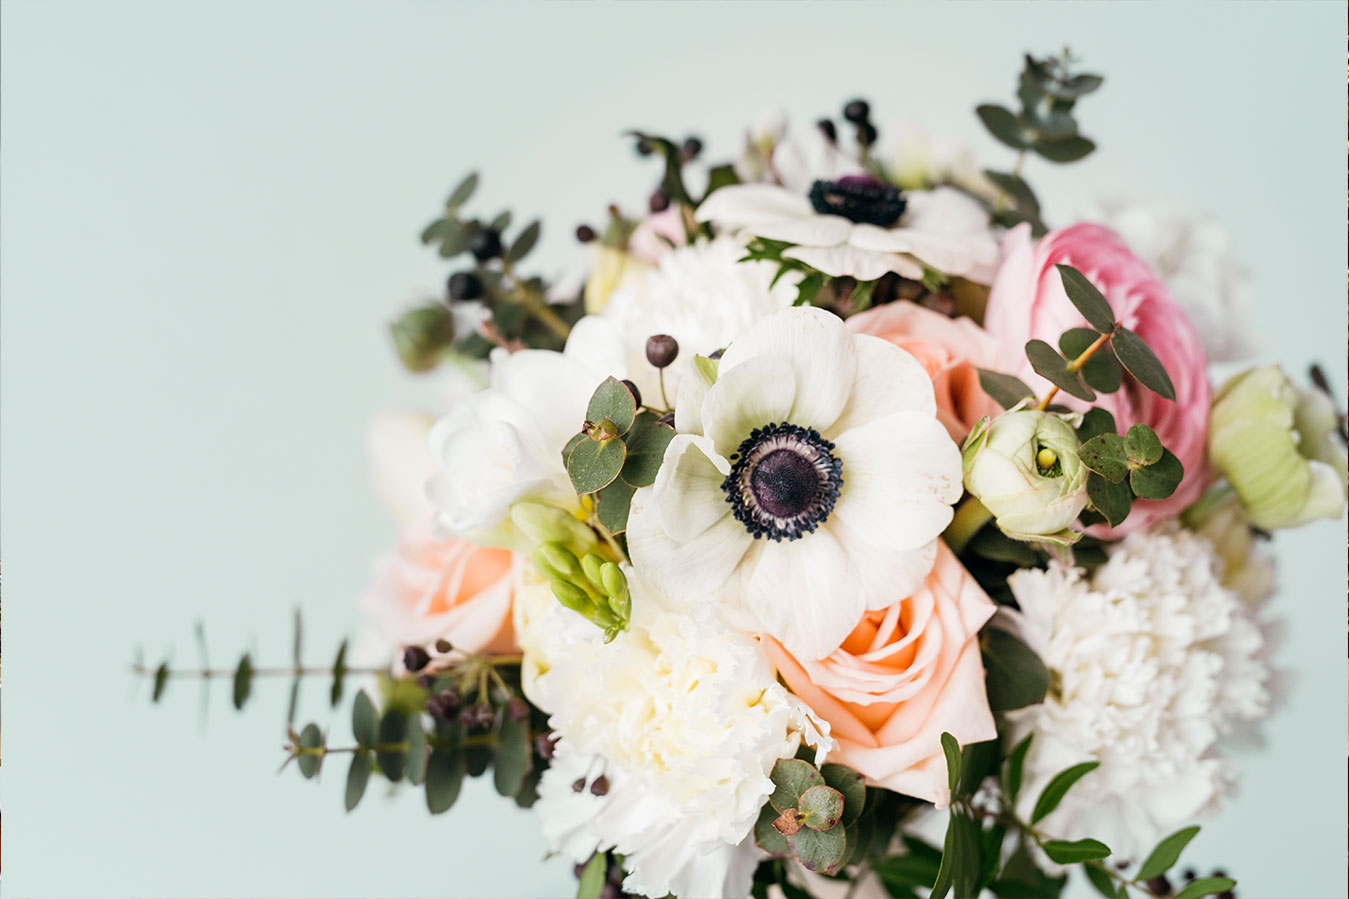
(593, 465)
(1104, 454)
(358, 775)
(513, 755)
(1069, 149)
(310, 738)
(646, 442)
(1102, 370)
(1112, 500)
(1139, 360)
(1160, 480)
(364, 721)
(1142, 446)
(444, 777)
(821, 807)
(821, 851)
(1002, 123)
(1095, 421)
(613, 506)
(1005, 390)
(769, 838)
(392, 732)
(791, 778)
(613, 400)
(850, 784)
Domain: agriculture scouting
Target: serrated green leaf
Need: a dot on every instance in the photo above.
(1058, 787)
(310, 738)
(243, 681)
(358, 775)
(1054, 368)
(1005, 390)
(444, 777)
(821, 851)
(646, 441)
(1012, 769)
(1141, 445)
(1159, 480)
(392, 732)
(1068, 149)
(808, 288)
(1165, 854)
(1002, 123)
(1070, 853)
(1111, 500)
(592, 877)
(463, 191)
(1089, 300)
(339, 674)
(821, 807)
(524, 242)
(769, 838)
(513, 755)
(1140, 361)
(614, 401)
(1014, 676)
(1104, 454)
(593, 465)
(416, 756)
(364, 720)
(950, 747)
(850, 784)
(1095, 421)
(791, 778)
(1102, 370)
(1205, 886)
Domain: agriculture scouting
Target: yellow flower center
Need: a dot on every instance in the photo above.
(1046, 458)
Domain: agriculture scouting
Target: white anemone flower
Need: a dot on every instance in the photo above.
(807, 485)
(855, 225)
(503, 444)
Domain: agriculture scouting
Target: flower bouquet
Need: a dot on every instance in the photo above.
(848, 531)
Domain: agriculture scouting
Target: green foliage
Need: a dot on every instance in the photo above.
(1165, 854)
(514, 754)
(791, 778)
(358, 775)
(646, 443)
(1013, 674)
(1048, 91)
(1101, 371)
(1152, 472)
(1005, 390)
(243, 681)
(311, 738)
(1065, 852)
(850, 785)
(1012, 768)
(1051, 366)
(339, 673)
(813, 815)
(1058, 787)
(422, 337)
(951, 749)
(1139, 360)
(444, 777)
(391, 751)
(593, 464)
(1205, 886)
(592, 877)
(364, 720)
(1083, 294)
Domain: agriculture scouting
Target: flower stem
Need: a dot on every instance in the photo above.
(970, 517)
(1076, 365)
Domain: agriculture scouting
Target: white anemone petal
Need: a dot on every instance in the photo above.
(756, 392)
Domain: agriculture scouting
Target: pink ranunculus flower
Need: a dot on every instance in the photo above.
(1028, 301)
(433, 588)
(904, 675)
(951, 349)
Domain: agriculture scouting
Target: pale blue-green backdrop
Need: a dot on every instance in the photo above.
(210, 211)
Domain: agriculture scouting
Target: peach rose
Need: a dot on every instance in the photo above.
(432, 588)
(904, 675)
(951, 349)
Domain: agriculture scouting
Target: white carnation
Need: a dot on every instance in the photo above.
(1193, 257)
(684, 720)
(1153, 661)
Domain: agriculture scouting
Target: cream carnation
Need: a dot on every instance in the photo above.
(1153, 660)
(684, 720)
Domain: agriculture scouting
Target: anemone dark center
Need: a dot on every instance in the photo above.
(784, 481)
(859, 198)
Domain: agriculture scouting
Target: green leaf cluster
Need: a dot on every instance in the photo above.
(590, 585)
(813, 815)
(1135, 466)
(1048, 91)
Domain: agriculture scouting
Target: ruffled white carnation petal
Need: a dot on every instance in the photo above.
(748, 396)
(819, 349)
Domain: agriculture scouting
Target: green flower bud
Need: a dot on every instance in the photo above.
(1274, 443)
(557, 561)
(1023, 467)
(591, 565)
(612, 579)
(573, 597)
(548, 524)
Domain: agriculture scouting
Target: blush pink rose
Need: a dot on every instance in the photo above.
(951, 349)
(1028, 301)
(443, 588)
(904, 675)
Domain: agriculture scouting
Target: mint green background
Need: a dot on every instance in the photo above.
(211, 210)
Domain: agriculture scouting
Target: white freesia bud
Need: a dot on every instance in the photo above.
(1023, 467)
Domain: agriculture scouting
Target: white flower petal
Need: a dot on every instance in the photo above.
(811, 231)
(756, 392)
(687, 494)
(748, 205)
(805, 592)
(888, 380)
(818, 347)
(847, 259)
(595, 342)
(684, 572)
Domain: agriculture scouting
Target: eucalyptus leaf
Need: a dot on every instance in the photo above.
(161, 681)
(416, 740)
(1142, 446)
(1003, 124)
(1104, 454)
(1159, 480)
(991, 543)
(1014, 676)
(1054, 368)
(1005, 390)
(1166, 854)
(524, 242)
(463, 191)
(1070, 853)
(444, 777)
(310, 738)
(453, 240)
(791, 778)
(1140, 361)
(769, 838)
(364, 720)
(646, 442)
(1017, 189)
(514, 755)
(243, 681)
(1058, 787)
(391, 757)
(433, 231)
(501, 222)
(1110, 499)
(1095, 421)
(1074, 87)
(593, 464)
(1088, 299)
(821, 807)
(614, 401)
(821, 851)
(1102, 370)
(1068, 149)
(850, 784)
(339, 674)
(614, 504)
(358, 775)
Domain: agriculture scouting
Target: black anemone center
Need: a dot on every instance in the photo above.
(784, 481)
(859, 198)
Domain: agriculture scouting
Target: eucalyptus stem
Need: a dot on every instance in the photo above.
(193, 673)
(536, 304)
(1076, 365)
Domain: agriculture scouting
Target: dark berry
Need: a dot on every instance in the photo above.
(1159, 885)
(415, 658)
(426, 681)
(661, 350)
(443, 646)
(692, 147)
(599, 786)
(645, 147)
(442, 705)
(484, 244)
(464, 286)
(636, 394)
(857, 112)
(1189, 874)
(826, 126)
(585, 233)
(659, 202)
(545, 745)
(578, 785)
(866, 134)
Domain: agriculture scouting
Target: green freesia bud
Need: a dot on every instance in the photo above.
(1274, 443)
(548, 524)
(572, 597)
(1023, 467)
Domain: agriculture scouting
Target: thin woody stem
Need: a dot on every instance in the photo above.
(1076, 365)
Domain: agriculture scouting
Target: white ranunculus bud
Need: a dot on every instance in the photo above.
(1023, 467)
